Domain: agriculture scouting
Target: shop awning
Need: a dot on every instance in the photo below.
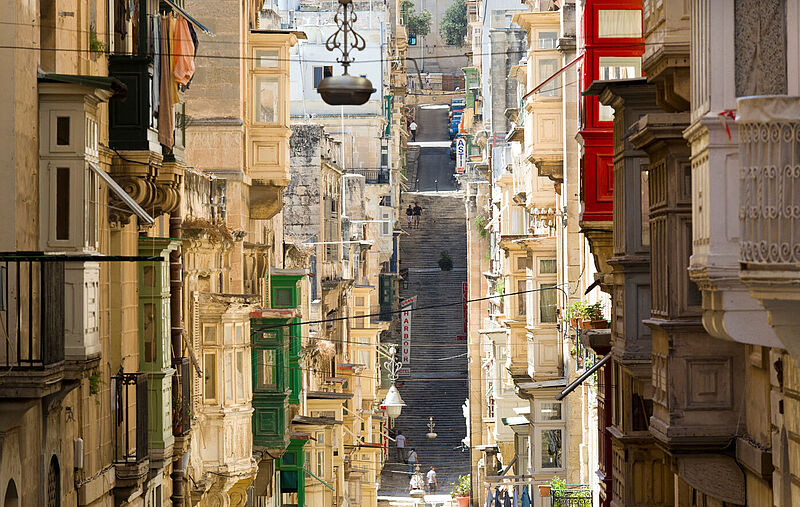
(189, 18)
(578, 381)
(123, 196)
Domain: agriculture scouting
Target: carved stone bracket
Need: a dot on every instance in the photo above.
(169, 182)
(601, 243)
(136, 171)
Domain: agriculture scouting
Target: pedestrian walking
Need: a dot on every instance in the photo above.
(413, 128)
(432, 482)
(417, 211)
(412, 460)
(409, 215)
(400, 446)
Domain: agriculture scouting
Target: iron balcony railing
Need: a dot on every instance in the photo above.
(31, 311)
(130, 417)
(372, 176)
(182, 397)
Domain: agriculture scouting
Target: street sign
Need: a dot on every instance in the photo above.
(461, 155)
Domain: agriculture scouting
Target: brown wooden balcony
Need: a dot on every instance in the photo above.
(32, 313)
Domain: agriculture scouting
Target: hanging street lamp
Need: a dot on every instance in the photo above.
(393, 403)
(345, 90)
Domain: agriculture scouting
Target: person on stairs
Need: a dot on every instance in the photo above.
(433, 483)
(409, 215)
(413, 129)
(412, 460)
(417, 214)
(400, 446)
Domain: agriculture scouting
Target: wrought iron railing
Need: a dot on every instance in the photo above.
(372, 176)
(130, 417)
(769, 156)
(32, 310)
(579, 496)
(182, 397)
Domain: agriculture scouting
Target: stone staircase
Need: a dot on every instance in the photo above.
(438, 384)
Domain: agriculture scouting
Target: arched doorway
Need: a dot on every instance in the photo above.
(12, 498)
(54, 483)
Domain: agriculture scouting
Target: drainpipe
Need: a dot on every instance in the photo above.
(175, 293)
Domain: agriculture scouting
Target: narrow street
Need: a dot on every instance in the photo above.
(435, 167)
(437, 386)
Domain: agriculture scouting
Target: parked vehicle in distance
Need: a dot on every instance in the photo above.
(454, 124)
(457, 103)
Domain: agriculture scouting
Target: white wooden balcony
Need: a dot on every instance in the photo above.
(769, 209)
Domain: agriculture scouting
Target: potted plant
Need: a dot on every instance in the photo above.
(556, 484)
(445, 261)
(593, 317)
(461, 490)
(575, 313)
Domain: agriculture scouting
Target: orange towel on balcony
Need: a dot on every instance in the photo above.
(183, 52)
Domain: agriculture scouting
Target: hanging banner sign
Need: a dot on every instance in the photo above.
(461, 155)
(405, 331)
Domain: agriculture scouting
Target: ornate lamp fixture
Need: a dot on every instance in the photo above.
(431, 424)
(345, 90)
(393, 403)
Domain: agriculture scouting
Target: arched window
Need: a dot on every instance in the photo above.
(54, 483)
(12, 498)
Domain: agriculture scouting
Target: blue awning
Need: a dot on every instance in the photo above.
(189, 18)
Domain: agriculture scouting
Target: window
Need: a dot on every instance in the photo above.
(62, 201)
(617, 67)
(321, 73)
(240, 397)
(548, 67)
(619, 23)
(283, 297)
(550, 448)
(228, 332)
(228, 376)
(522, 297)
(266, 369)
(321, 464)
(364, 358)
(62, 131)
(547, 40)
(265, 99)
(547, 304)
(239, 334)
(547, 266)
(549, 411)
(522, 263)
(210, 376)
(267, 58)
(209, 334)
(386, 225)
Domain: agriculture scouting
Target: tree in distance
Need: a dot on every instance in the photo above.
(453, 28)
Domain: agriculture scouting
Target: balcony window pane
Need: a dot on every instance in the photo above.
(210, 376)
(547, 40)
(210, 335)
(266, 369)
(547, 304)
(551, 448)
(265, 99)
(283, 297)
(550, 412)
(618, 23)
(267, 58)
(62, 131)
(239, 335)
(547, 68)
(228, 333)
(522, 286)
(547, 266)
(228, 373)
(240, 376)
(62, 203)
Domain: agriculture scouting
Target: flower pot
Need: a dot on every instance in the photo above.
(463, 501)
(598, 324)
(544, 490)
(586, 324)
(574, 322)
